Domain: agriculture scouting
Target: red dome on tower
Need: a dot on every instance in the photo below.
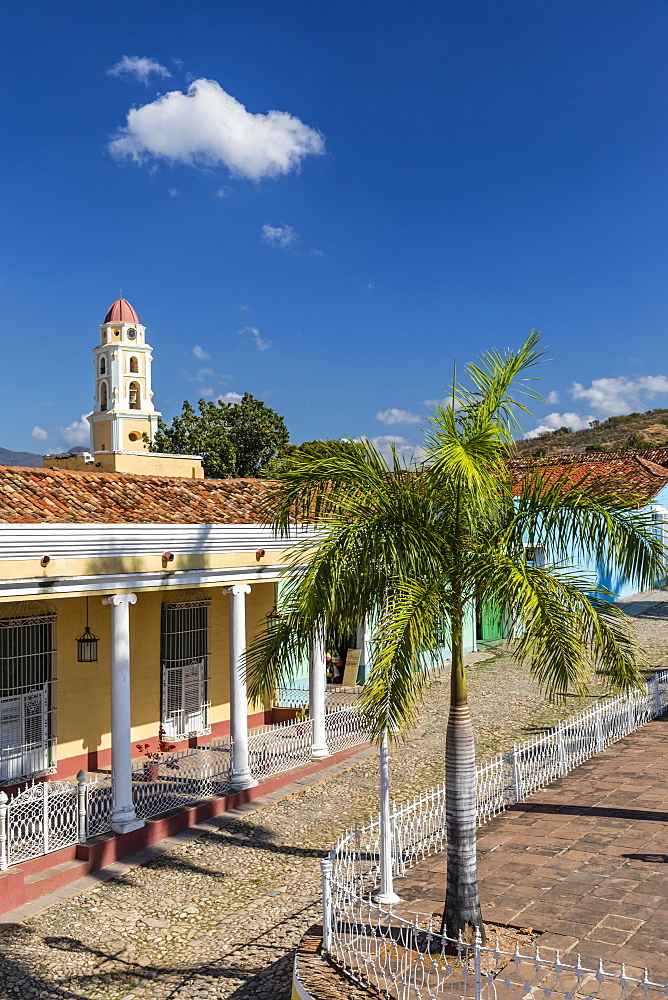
(121, 311)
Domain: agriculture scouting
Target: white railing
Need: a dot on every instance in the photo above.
(48, 816)
(289, 697)
(280, 748)
(344, 728)
(182, 779)
(335, 697)
(380, 950)
(398, 958)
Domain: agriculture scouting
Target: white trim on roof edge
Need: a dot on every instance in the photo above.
(106, 541)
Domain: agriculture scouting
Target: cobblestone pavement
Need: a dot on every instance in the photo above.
(220, 915)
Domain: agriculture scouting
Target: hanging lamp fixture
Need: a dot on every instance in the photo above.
(87, 644)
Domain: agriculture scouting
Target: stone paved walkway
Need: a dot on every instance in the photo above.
(585, 860)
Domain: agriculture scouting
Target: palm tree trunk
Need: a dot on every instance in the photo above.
(462, 903)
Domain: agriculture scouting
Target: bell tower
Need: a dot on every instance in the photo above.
(123, 410)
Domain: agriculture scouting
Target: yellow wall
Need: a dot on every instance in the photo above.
(83, 690)
(148, 464)
(28, 569)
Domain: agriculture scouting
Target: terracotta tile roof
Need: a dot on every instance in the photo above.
(46, 495)
(643, 474)
(29, 496)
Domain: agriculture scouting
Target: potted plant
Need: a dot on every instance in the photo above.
(154, 758)
(302, 717)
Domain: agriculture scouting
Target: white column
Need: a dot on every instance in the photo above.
(123, 816)
(317, 680)
(241, 776)
(363, 642)
(387, 893)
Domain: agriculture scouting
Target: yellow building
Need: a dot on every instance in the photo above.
(127, 597)
(170, 576)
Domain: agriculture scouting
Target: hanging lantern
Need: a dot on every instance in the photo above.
(87, 644)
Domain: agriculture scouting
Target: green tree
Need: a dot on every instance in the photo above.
(234, 439)
(312, 449)
(418, 548)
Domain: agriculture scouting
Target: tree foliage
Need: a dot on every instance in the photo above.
(234, 439)
(418, 549)
(314, 449)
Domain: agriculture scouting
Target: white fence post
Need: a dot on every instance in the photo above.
(631, 713)
(81, 807)
(656, 697)
(387, 893)
(477, 945)
(517, 776)
(326, 872)
(45, 818)
(4, 808)
(600, 745)
(563, 763)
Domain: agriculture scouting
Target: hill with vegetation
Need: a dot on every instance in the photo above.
(631, 430)
(27, 459)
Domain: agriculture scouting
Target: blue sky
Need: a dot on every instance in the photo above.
(435, 179)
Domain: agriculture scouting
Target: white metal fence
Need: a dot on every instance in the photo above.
(50, 815)
(336, 696)
(401, 959)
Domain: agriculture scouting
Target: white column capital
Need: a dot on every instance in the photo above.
(116, 600)
(237, 588)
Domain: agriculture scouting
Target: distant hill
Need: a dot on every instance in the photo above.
(26, 458)
(633, 430)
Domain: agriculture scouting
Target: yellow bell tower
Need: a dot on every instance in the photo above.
(123, 410)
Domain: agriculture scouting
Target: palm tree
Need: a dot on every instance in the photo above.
(419, 548)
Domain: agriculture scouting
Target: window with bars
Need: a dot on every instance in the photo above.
(27, 694)
(185, 668)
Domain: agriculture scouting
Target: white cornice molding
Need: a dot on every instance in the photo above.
(160, 580)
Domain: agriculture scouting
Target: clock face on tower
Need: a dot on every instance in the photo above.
(132, 334)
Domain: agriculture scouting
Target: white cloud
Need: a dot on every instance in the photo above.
(278, 236)
(200, 353)
(207, 392)
(612, 396)
(317, 253)
(39, 433)
(202, 375)
(223, 192)
(552, 397)
(444, 403)
(140, 67)
(259, 341)
(555, 420)
(172, 192)
(230, 397)
(394, 416)
(405, 448)
(78, 432)
(206, 126)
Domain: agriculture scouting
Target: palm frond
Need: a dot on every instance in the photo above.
(414, 616)
(567, 625)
